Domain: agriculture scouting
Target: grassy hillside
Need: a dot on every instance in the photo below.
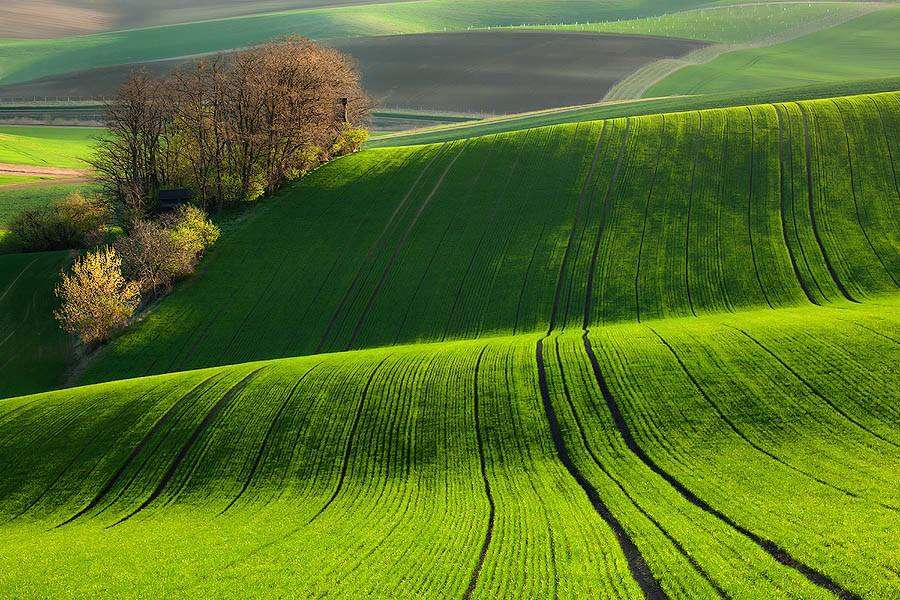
(731, 24)
(44, 146)
(609, 110)
(34, 353)
(728, 456)
(15, 200)
(594, 223)
(866, 47)
(21, 60)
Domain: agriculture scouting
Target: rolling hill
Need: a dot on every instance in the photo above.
(651, 356)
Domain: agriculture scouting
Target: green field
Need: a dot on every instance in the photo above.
(674, 215)
(651, 356)
(44, 146)
(735, 24)
(14, 201)
(508, 467)
(866, 47)
(22, 60)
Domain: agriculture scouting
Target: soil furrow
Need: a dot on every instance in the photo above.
(781, 194)
(371, 252)
(160, 423)
(604, 213)
(779, 554)
(267, 439)
(473, 581)
(637, 565)
(584, 440)
(348, 447)
(731, 425)
(401, 243)
(813, 389)
(210, 416)
(812, 211)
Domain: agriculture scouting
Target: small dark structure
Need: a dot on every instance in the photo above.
(171, 199)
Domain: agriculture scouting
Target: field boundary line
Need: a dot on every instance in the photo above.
(812, 210)
(210, 416)
(813, 389)
(476, 572)
(751, 443)
(637, 566)
(774, 550)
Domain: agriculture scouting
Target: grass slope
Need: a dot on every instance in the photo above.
(15, 200)
(866, 47)
(575, 225)
(735, 24)
(34, 353)
(727, 456)
(609, 110)
(22, 60)
(43, 146)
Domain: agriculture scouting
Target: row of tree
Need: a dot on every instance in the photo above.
(230, 128)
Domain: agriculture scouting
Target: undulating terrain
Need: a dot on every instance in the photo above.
(650, 356)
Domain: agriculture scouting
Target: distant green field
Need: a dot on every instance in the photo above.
(866, 47)
(640, 218)
(732, 456)
(735, 24)
(630, 108)
(22, 60)
(14, 201)
(46, 146)
(6, 180)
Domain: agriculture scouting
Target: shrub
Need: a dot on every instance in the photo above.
(76, 221)
(350, 140)
(156, 253)
(96, 299)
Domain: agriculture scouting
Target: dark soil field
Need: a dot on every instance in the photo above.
(499, 72)
(474, 72)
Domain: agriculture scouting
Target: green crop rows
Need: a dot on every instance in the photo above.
(640, 218)
(482, 467)
(651, 356)
(47, 146)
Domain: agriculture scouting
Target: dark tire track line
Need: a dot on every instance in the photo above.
(348, 447)
(476, 572)
(398, 248)
(854, 194)
(751, 443)
(779, 554)
(276, 420)
(781, 194)
(762, 288)
(132, 456)
(372, 250)
(687, 237)
(636, 563)
(210, 416)
(637, 271)
(584, 440)
(812, 211)
(806, 383)
(579, 207)
(601, 229)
